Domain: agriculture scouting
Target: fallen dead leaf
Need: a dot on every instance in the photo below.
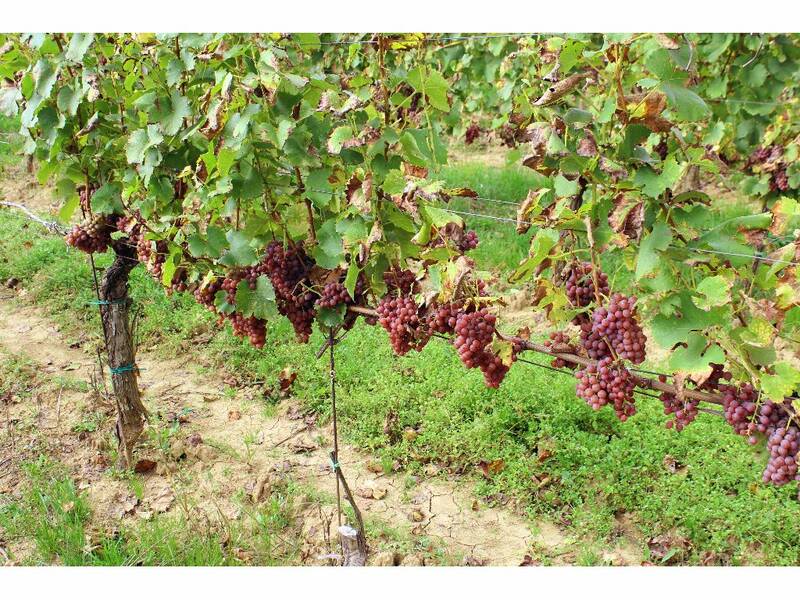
(144, 465)
(302, 445)
(489, 468)
(162, 500)
(234, 415)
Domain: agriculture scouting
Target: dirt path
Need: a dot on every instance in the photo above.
(226, 446)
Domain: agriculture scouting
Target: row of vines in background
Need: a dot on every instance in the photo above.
(293, 174)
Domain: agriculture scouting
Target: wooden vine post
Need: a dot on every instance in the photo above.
(352, 540)
(114, 313)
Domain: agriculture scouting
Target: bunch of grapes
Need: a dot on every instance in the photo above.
(299, 309)
(92, 235)
(772, 416)
(400, 280)
(205, 295)
(229, 285)
(334, 294)
(152, 254)
(739, 404)
(580, 284)
(763, 155)
(606, 382)
(287, 269)
(617, 325)
(783, 446)
(559, 342)
(718, 373)
(85, 197)
(684, 412)
(398, 316)
(179, 282)
(443, 317)
(779, 180)
(469, 241)
(251, 327)
(474, 335)
(593, 343)
(473, 132)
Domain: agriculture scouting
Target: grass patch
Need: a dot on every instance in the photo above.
(56, 518)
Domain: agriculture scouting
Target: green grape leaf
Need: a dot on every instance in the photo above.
(44, 77)
(178, 110)
(140, 141)
(338, 137)
(782, 383)
(107, 200)
(654, 184)
(714, 291)
(687, 104)
(669, 330)
(655, 242)
(329, 252)
(78, 45)
(259, 302)
(240, 254)
(696, 356)
(541, 245)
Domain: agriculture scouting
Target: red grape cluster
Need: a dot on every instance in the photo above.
(299, 309)
(473, 132)
(334, 294)
(474, 335)
(443, 317)
(593, 343)
(772, 157)
(617, 324)
(287, 269)
(85, 197)
(783, 446)
(92, 235)
(398, 316)
(764, 154)
(739, 404)
(559, 342)
(469, 241)
(684, 412)
(718, 373)
(251, 327)
(401, 280)
(205, 295)
(779, 180)
(580, 284)
(606, 382)
(229, 285)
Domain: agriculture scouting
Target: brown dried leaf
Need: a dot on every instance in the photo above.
(560, 89)
(410, 170)
(234, 415)
(666, 41)
(626, 218)
(489, 468)
(587, 146)
(302, 445)
(286, 378)
(144, 465)
(163, 500)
